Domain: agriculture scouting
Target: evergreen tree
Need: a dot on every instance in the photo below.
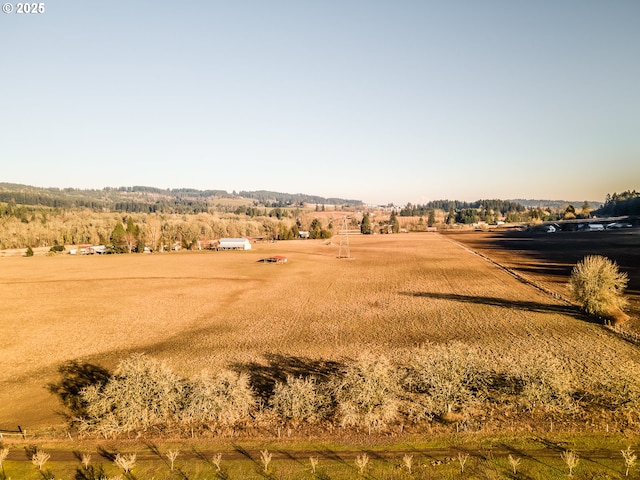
(315, 231)
(451, 216)
(432, 219)
(395, 223)
(117, 235)
(365, 226)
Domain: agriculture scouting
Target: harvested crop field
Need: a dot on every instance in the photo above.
(203, 310)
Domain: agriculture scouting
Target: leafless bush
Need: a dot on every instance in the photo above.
(224, 400)
(542, 381)
(597, 284)
(367, 394)
(616, 388)
(142, 393)
(301, 400)
(444, 375)
(145, 393)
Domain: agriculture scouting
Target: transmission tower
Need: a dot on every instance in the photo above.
(345, 251)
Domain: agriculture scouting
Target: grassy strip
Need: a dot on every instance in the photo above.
(535, 457)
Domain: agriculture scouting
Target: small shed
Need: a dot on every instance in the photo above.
(234, 244)
(99, 249)
(274, 259)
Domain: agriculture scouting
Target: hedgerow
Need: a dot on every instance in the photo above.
(301, 400)
(367, 395)
(432, 383)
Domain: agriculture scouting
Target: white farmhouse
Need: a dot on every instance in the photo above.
(234, 244)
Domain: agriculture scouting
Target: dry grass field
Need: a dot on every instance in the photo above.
(203, 310)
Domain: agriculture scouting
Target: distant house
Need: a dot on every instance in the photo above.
(81, 250)
(234, 244)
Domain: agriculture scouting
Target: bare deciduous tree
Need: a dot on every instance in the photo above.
(571, 459)
(223, 399)
(514, 462)
(462, 460)
(314, 463)
(597, 284)
(85, 459)
(171, 456)
(301, 400)
(142, 393)
(125, 462)
(629, 459)
(216, 459)
(445, 374)
(265, 457)
(4, 453)
(367, 394)
(40, 458)
(408, 462)
(361, 462)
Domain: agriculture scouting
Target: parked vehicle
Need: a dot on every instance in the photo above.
(616, 225)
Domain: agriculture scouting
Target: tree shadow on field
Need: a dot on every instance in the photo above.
(263, 377)
(76, 376)
(510, 304)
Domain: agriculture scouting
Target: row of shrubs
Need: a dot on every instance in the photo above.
(434, 383)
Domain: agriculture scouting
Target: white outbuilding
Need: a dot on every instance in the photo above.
(234, 244)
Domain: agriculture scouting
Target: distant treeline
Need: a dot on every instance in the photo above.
(276, 199)
(618, 204)
(178, 192)
(498, 206)
(553, 204)
(141, 199)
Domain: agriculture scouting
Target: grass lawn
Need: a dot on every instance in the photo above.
(441, 457)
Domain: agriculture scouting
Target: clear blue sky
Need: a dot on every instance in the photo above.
(383, 101)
